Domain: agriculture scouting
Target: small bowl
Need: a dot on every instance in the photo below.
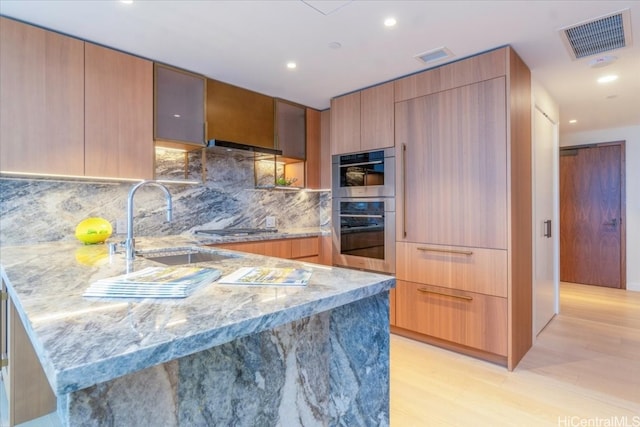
(93, 230)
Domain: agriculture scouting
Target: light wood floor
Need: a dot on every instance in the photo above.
(583, 369)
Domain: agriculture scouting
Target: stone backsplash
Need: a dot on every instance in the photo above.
(44, 210)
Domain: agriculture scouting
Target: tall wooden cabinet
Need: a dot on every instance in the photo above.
(41, 100)
(464, 205)
(363, 120)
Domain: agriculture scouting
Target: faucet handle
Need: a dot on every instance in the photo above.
(113, 247)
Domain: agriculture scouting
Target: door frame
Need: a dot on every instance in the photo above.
(623, 202)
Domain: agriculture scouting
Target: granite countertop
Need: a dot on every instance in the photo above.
(82, 341)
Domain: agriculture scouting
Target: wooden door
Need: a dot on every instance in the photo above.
(454, 167)
(41, 100)
(118, 114)
(592, 246)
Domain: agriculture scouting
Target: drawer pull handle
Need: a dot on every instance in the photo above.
(448, 251)
(444, 294)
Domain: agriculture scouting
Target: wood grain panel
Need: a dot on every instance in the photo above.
(304, 247)
(239, 115)
(41, 100)
(520, 217)
(118, 114)
(326, 250)
(467, 71)
(377, 117)
(313, 165)
(392, 307)
(465, 318)
(455, 174)
(590, 216)
(30, 393)
(325, 149)
(345, 124)
(482, 271)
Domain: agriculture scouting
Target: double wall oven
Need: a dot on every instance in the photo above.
(363, 210)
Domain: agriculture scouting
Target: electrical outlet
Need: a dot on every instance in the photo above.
(270, 222)
(121, 226)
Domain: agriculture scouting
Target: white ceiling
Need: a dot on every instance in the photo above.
(247, 43)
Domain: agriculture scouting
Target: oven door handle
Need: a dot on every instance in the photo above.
(362, 164)
(360, 216)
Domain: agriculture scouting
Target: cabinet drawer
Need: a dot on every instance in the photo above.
(275, 248)
(478, 270)
(466, 318)
(304, 247)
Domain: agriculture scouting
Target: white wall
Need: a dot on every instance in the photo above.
(631, 135)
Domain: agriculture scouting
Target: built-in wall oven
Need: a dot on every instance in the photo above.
(363, 210)
(365, 174)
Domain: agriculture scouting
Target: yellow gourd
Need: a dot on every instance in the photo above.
(93, 230)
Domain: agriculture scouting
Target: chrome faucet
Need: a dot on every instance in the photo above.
(130, 244)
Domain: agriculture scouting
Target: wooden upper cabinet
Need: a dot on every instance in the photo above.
(41, 101)
(363, 120)
(325, 149)
(118, 114)
(179, 106)
(345, 124)
(313, 164)
(454, 169)
(377, 117)
(239, 115)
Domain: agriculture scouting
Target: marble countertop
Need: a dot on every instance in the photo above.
(82, 341)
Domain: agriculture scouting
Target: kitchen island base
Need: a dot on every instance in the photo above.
(328, 369)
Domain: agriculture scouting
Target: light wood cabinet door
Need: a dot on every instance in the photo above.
(313, 164)
(477, 270)
(304, 247)
(376, 117)
(392, 307)
(345, 124)
(41, 100)
(465, 318)
(454, 167)
(118, 114)
(28, 391)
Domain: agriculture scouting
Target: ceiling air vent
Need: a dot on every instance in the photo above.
(434, 55)
(599, 35)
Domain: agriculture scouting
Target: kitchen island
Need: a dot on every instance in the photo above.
(226, 355)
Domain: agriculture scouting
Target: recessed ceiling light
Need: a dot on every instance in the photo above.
(607, 79)
(177, 116)
(572, 121)
(390, 22)
(126, 1)
(291, 65)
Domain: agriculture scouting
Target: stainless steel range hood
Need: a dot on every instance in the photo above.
(238, 147)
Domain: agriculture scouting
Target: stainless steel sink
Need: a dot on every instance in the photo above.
(181, 256)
